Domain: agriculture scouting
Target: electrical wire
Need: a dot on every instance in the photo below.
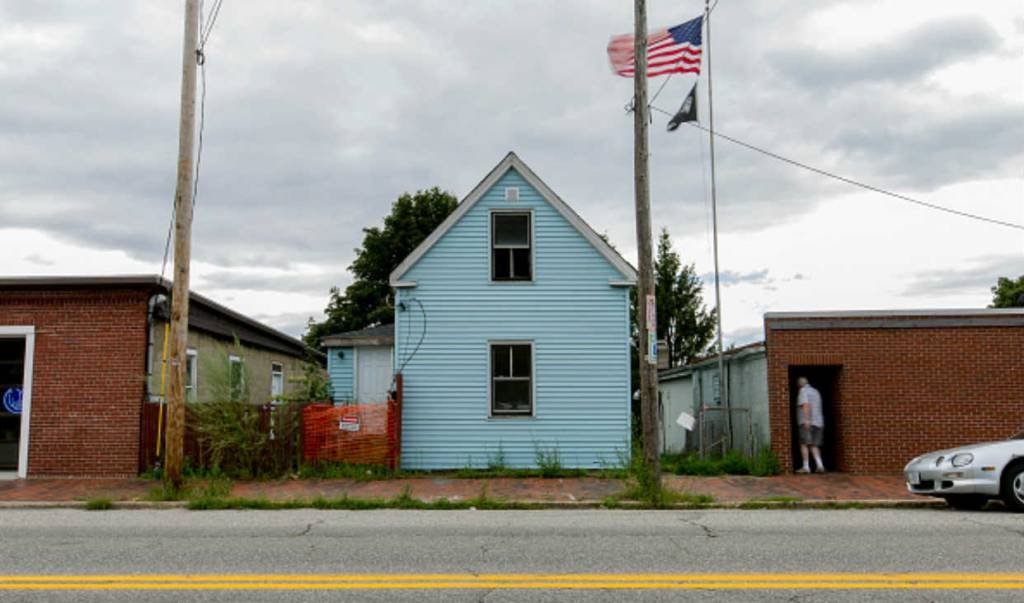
(205, 29)
(214, 13)
(423, 335)
(851, 181)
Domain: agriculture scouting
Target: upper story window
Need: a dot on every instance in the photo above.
(276, 379)
(511, 253)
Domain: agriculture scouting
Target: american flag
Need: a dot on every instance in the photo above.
(671, 50)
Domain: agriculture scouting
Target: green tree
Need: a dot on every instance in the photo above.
(683, 320)
(1008, 293)
(365, 302)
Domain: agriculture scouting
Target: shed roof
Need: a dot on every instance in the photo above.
(372, 335)
(513, 162)
(730, 354)
(206, 314)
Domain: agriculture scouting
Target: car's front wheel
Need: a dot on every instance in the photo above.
(1012, 487)
(966, 502)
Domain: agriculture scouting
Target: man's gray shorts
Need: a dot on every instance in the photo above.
(811, 435)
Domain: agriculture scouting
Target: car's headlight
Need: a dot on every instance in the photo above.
(962, 460)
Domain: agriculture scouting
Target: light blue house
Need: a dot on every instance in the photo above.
(512, 333)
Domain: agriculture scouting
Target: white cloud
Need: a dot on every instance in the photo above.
(319, 114)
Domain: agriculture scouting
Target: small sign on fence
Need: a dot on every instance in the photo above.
(349, 424)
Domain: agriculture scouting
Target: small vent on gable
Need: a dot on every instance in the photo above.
(512, 193)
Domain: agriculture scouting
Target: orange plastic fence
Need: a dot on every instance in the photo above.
(361, 434)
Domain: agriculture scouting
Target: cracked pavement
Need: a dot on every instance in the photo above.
(510, 542)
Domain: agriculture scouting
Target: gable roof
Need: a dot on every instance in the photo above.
(513, 162)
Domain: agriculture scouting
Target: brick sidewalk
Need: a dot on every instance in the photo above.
(725, 489)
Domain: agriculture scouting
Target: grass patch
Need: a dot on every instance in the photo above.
(99, 504)
(771, 502)
(363, 473)
(403, 500)
(212, 487)
(762, 464)
(165, 492)
(665, 499)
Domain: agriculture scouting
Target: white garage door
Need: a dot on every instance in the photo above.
(373, 374)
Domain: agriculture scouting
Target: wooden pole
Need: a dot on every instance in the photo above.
(645, 286)
(723, 381)
(182, 249)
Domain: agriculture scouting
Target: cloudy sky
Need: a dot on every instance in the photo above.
(319, 114)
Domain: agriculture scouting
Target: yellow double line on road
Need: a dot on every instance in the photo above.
(724, 581)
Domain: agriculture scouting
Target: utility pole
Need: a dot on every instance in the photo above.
(645, 288)
(182, 248)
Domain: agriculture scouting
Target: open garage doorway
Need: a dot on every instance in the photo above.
(17, 346)
(826, 379)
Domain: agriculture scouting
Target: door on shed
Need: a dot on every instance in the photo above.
(373, 374)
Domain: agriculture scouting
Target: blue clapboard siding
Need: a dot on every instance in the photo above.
(341, 372)
(578, 324)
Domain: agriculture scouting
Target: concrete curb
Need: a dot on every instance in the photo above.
(826, 504)
(81, 504)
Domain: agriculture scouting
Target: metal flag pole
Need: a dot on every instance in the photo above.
(723, 386)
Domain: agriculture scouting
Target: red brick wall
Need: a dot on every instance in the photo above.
(88, 378)
(902, 391)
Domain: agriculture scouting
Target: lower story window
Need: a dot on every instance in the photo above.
(276, 379)
(512, 379)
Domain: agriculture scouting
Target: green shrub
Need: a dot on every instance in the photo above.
(734, 463)
(765, 463)
(762, 464)
(549, 461)
(497, 462)
(692, 464)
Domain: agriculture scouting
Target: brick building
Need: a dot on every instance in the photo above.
(81, 356)
(897, 383)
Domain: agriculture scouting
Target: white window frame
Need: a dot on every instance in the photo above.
(531, 245)
(276, 370)
(490, 380)
(192, 383)
(233, 359)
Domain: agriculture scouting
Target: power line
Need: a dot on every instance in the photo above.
(850, 180)
(214, 12)
(204, 36)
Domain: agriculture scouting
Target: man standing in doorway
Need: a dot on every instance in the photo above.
(812, 425)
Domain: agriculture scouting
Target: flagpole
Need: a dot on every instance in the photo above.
(723, 385)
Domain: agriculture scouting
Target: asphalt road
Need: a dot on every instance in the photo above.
(509, 555)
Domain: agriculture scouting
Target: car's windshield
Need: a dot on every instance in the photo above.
(1018, 436)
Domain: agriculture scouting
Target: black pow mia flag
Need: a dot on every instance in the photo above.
(687, 112)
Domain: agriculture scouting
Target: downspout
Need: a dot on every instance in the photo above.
(154, 300)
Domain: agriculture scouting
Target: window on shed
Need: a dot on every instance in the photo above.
(510, 247)
(276, 379)
(511, 379)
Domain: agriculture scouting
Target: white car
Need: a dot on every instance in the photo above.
(968, 476)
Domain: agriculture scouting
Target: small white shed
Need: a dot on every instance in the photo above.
(361, 364)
